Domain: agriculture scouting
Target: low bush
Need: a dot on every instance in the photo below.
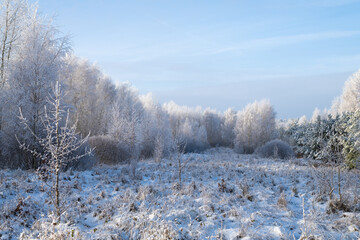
(276, 149)
(108, 150)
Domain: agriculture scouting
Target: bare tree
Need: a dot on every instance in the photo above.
(159, 148)
(179, 146)
(59, 147)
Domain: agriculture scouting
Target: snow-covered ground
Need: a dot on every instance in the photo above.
(223, 195)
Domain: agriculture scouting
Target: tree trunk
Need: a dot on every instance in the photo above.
(339, 184)
(179, 159)
(57, 195)
(57, 153)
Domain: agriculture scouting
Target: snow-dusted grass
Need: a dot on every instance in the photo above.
(223, 196)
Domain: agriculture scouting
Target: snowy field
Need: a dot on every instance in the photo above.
(223, 196)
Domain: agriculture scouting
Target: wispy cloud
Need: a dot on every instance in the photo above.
(311, 4)
(284, 40)
(333, 3)
(346, 59)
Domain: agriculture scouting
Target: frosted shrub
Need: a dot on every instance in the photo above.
(108, 150)
(276, 149)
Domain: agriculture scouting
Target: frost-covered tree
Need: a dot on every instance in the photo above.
(34, 70)
(187, 124)
(281, 127)
(178, 115)
(126, 120)
(330, 139)
(178, 150)
(350, 98)
(157, 138)
(90, 93)
(58, 146)
(295, 134)
(13, 15)
(212, 122)
(350, 138)
(302, 120)
(194, 135)
(227, 129)
(255, 125)
(335, 107)
(316, 138)
(317, 113)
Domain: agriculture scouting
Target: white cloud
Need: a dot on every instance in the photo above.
(284, 40)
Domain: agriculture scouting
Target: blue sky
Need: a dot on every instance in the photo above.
(220, 54)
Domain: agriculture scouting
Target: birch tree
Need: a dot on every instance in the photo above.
(12, 20)
(34, 71)
(126, 121)
(255, 125)
(350, 97)
(228, 126)
(13, 14)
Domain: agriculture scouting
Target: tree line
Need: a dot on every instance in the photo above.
(124, 126)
